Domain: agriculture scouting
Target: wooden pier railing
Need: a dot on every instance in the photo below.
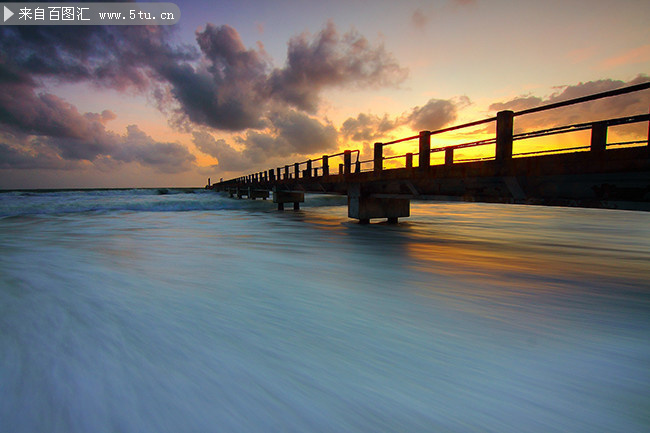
(374, 181)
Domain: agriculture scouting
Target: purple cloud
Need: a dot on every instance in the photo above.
(330, 60)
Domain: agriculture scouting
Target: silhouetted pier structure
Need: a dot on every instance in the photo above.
(600, 174)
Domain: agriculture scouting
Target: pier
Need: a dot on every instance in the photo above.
(597, 173)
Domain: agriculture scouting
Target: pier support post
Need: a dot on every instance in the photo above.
(409, 160)
(347, 162)
(309, 170)
(254, 193)
(449, 156)
(286, 172)
(296, 169)
(281, 197)
(379, 157)
(425, 150)
(278, 173)
(505, 123)
(364, 207)
(599, 137)
(326, 166)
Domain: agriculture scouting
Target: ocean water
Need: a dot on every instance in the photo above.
(187, 311)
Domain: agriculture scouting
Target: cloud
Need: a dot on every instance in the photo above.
(24, 157)
(219, 83)
(368, 127)
(136, 146)
(291, 133)
(328, 60)
(618, 106)
(229, 158)
(236, 88)
(227, 93)
(117, 57)
(42, 130)
(302, 134)
(435, 114)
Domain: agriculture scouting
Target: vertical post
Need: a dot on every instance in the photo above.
(208, 181)
(278, 173)
(449, 156)
(347, 162)
(340, 169)
(598, 136)
(505, 123)
(409, 160)
(309, 168)
(286, 172)
(272, 175)
(326, 166)
(379, 157)
(425, 150)
(296, 169)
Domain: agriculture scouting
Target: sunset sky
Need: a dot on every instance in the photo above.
(244, 86)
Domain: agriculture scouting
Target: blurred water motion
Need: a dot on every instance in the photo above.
(230, 316)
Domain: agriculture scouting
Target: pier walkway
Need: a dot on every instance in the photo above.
(596, 173)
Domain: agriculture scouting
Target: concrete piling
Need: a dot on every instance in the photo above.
(505, 124)
(424, 155)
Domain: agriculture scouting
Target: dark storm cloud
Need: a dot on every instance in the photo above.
(328, 60)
